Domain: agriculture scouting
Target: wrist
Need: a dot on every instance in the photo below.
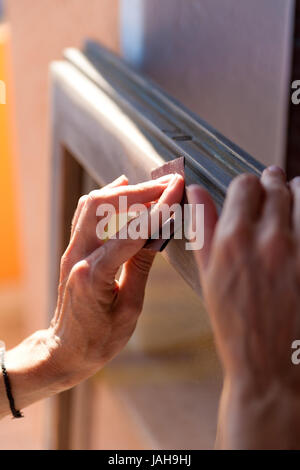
(254, 418)
(33, 371)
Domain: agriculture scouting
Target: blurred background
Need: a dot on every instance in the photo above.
(228, 61)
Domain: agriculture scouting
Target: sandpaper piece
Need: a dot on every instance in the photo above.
(174, 166)
(168, 168)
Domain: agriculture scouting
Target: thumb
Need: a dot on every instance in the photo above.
(198, 195)
(133, 280)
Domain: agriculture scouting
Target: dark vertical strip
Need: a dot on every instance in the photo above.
(293, 133)
(72, 190)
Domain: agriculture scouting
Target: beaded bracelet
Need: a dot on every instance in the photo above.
(16, 413)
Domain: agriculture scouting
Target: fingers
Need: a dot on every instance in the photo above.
(139, 193)
(243, 203)
(85, 240)
(277, 204)
(108, 258)
(248, 200)
(172, 195)
(174, 191)
(133, 280)
(120, 181)
(198, 195)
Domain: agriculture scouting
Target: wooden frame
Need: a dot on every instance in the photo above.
(108, 120)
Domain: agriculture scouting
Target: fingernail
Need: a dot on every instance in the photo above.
(120, 178)
(191, 187)
(190, 191)
(165, 178)
(275, 170)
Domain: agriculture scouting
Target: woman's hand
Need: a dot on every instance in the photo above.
(250, 273)
(96, 314)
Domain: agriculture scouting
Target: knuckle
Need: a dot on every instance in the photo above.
(95, 197)
(142, 262)
(82, 200)
(64, 260)
(80, 273)
(65, 264)
(94, 194)
(92, 200)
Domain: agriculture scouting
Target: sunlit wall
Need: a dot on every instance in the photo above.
(9, 242)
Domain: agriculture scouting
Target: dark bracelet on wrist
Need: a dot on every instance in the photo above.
(16, 413)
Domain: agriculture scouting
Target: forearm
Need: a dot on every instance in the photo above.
(258, 421)
(33, 371)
